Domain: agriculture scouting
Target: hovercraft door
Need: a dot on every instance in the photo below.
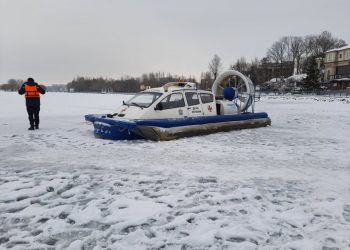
(194, 106)
(173, 106)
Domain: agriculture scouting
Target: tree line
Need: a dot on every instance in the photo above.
(100, 84)
(296, 51)
(125, 84)
(12, 85)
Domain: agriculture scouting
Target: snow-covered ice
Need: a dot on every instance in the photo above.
(280, 187)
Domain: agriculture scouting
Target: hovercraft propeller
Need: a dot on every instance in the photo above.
(234, 86)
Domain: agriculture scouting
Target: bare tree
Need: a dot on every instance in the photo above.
(310, 45)
(286, 40)
(277, 52)
(206, 80)
(326, 41)
(295, 48)
(318, 45)
(215, 66)
(340, 43)
(253, 70)
(241, 65)
(12, 85)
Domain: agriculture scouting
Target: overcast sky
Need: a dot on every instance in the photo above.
(57, 40)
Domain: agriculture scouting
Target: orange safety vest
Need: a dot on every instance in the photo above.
(31, 91)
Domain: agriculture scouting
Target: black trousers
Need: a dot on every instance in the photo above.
(33, 115)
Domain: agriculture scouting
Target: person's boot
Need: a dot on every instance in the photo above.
(36, 126)
(31, 128)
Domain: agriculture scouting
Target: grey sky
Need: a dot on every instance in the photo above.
(57, 40)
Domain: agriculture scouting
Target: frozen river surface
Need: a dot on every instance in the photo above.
(286, 186)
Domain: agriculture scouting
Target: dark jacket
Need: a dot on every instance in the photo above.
(32, 101)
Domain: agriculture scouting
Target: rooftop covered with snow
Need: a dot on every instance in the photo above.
(338, 49)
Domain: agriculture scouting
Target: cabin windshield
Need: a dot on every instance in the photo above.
(143, 99)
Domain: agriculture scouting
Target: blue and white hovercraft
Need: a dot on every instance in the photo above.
(179, 110)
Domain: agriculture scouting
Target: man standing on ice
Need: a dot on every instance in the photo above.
(32, 92)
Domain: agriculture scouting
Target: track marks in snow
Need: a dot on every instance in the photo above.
(62, 209)
(61, 188)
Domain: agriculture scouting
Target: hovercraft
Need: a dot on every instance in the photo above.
(179, 109)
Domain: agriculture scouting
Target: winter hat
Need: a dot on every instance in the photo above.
(30, 79)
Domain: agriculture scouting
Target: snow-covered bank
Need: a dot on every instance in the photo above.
(284, 186)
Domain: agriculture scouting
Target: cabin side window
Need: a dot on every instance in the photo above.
(192, 98)
(207, 98)
(173, 101)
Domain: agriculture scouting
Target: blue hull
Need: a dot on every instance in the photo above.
(167, 129)
(105, 130)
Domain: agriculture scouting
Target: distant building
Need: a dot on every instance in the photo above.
(268, 70)
(57, 88)
(337, 67)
